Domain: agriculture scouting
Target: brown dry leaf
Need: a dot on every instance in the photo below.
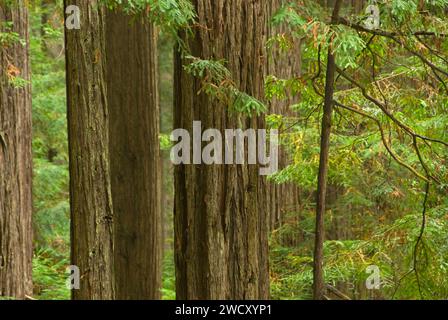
(12, 71)
(397, 194)
(421, 47)
(315, 31)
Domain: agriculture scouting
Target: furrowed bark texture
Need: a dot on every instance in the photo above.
(221, 212)
(16, 247)
(285, 198)
(135, 155)
(90, 185)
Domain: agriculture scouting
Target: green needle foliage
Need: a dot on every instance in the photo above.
(50, 150)
(217, 82)
(391, 95)
(388, 174)
(171, 15)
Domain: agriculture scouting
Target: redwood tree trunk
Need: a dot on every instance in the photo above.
(132, 84)
(15, 158)
(88, 122)
(221, 227)
(285, 198)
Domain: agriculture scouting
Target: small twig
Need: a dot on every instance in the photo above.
(337, 292)
(383, 108)
(383, 138)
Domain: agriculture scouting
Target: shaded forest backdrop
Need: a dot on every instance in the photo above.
(363, 122)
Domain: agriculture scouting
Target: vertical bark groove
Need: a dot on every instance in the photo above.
(16, 248)
(88, 123)
(221, 212)
(132, 82)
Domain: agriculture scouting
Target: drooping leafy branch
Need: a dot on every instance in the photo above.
(382, 74)
(170, 15)
(179, 15)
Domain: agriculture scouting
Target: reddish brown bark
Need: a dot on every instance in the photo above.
(15, 158)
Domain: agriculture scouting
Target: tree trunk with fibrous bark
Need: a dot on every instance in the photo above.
(16, 247)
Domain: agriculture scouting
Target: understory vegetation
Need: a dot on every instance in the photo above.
(387, 191)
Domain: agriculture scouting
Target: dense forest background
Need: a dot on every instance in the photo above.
(386, 203)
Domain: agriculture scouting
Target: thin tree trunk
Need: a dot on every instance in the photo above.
(16, 248)
(88, 124)
(44, 20)
(319, 284)
(221, 227)
(132, 83)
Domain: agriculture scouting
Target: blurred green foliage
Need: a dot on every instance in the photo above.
(50, 150)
